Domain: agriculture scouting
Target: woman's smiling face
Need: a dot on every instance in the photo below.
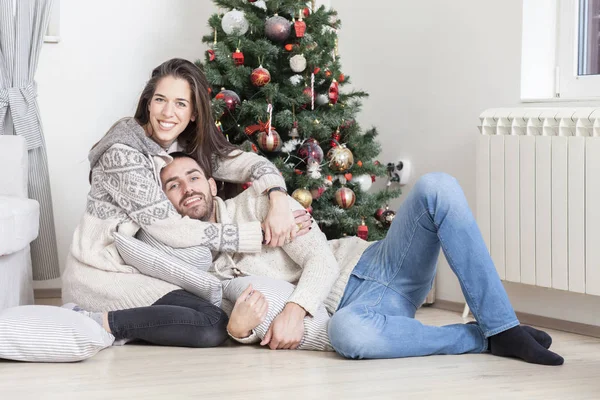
(171, 110)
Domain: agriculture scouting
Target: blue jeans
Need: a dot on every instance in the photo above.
(375, 318)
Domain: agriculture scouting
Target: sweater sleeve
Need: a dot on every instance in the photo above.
(245, 167)
(129, 179)
(320, 268)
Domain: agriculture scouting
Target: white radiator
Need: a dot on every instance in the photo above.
(538, 195)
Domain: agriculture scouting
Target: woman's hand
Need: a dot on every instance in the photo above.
(279, 226)
(303, 222)
(249, 311)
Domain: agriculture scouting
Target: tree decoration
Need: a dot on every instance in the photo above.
(238, 57)
(363, 181)
(387, 217)
(345, 197)
(294, 134)
(234, 22)
(296, 79)
(310, 150)
(298, 63)
(211, 54)
(269, 142)
(277, 28)
(340, 158)
(334, 92)
(260, 76)
(300, 27)
(231, 99)
(363, 230)
(303, 197)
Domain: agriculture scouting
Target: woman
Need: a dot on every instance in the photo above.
(173, 113)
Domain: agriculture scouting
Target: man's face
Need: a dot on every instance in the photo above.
(187, 188)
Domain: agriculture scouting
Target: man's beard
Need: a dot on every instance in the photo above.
(202, 211)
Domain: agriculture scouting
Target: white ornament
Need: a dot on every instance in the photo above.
(298, 63)
(235, 21)
(296, 79)
(322, 100)
(260, 4)
(364, 182)
(313, 168)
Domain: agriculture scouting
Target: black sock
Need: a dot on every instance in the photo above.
(540, 336)
(517, 342)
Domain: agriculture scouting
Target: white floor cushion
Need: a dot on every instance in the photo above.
(49, 334)
(19, 223)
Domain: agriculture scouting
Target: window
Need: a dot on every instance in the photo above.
(560, 50)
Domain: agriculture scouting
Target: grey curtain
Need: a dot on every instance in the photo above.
(23, 24)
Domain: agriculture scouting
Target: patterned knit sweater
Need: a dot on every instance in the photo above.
(126, 195)
(319, 268)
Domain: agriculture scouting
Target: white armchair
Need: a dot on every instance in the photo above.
(19, 224)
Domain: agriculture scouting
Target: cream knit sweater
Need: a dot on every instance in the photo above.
(126, 195)
(319, 268)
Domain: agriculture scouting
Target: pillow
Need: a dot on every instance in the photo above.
(196, 256)
(156, 263)
(277, 292)
(49, 334)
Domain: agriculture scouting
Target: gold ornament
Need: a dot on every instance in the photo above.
(345, 197)
(303, 197)
(340, 158)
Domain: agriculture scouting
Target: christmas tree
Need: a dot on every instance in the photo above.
(276, 78)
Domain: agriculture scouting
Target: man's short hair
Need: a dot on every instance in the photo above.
(181, 154)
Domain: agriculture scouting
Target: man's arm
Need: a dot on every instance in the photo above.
(319, 272)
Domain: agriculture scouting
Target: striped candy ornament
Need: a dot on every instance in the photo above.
(345, 197)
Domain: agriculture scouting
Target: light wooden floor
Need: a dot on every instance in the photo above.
(243, 372)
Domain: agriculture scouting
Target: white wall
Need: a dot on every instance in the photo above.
(431, 67)
(94, 76)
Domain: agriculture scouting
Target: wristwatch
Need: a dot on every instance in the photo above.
(275, 189)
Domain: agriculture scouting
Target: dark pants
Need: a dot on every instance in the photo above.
(177, 319)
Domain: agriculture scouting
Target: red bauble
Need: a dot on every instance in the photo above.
(378, 213)
(336, 135)
(231, 99)
(289, 47)
(260, 76)
(342, 78)
(373, 178)
(316, 70)
(251, 1)
(317, 192)
(345, 197)
(306, 12)
(363, 231)
(269, 143)
(310, 150)
(211, 54)
(238, 57)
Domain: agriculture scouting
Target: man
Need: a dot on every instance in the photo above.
(378, 287)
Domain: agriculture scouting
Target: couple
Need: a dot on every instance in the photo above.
(372, 290)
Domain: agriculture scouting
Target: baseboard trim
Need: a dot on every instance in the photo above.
(47, 293)
(536, 320)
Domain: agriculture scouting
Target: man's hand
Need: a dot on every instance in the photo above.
(287, 329)
(249, 311)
